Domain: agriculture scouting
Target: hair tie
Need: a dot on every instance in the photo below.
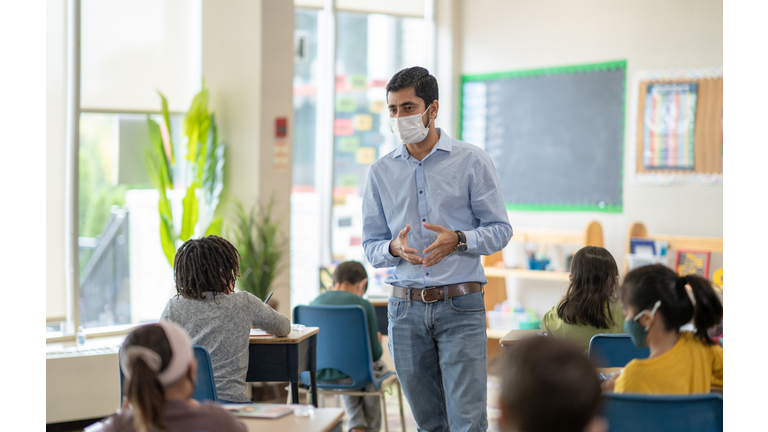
(181, 355)
(131, 353)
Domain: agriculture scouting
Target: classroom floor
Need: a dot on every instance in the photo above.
(393, 410)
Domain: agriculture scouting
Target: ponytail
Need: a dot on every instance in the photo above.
(646, 285)
(146, 395)
(708, 311)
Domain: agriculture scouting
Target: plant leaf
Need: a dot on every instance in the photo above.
(189, 217)
(167, 118)
(166, 234)
(215, 227)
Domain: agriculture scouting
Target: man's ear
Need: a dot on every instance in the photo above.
(434, 108)
(362, 287)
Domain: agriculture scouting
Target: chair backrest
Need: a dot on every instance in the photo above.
(206, 386)
(614, 350)
(631, 412)
(342, 342)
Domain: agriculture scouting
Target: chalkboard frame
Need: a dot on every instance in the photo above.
(571, 69)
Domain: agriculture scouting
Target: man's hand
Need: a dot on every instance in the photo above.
(442, 247)
(399, 247)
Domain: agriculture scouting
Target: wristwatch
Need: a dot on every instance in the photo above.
(462, 246)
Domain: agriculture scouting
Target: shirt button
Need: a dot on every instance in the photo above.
(427, 274)
(423, 220)
(419, 164)
(421, 191)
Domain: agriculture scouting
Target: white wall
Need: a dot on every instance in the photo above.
(511, 35)
(649, 34)
(248, 66)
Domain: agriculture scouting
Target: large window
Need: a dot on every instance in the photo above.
(129, 51)
(370, 48)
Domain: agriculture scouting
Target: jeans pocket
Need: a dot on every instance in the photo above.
(396, 308)
(472, 302)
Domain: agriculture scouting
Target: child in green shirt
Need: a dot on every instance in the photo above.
(590, 305)
(350, 281)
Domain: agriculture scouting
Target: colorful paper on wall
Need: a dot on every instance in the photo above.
(670, 119)
(366, 155)
(362, 122)
(348, 144)
(343, 127)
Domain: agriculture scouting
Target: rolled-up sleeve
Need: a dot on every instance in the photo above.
(376, 233)
(487, 200)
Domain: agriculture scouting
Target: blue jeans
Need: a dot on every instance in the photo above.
(439, 351)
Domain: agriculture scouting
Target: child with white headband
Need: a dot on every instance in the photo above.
(160, 371)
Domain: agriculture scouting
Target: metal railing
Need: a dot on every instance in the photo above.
(105, 280)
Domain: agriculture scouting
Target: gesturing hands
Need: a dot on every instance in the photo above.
(442, 247)
(399, 247)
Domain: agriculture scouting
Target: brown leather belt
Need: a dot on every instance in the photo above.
(433, 294)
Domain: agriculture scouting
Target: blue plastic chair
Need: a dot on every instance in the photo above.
(614, 350)
(343, 344)
(206, 386)
(632, 412)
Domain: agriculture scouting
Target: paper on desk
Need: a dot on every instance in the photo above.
(259, 332)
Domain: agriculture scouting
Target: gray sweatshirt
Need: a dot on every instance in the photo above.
(223, 327)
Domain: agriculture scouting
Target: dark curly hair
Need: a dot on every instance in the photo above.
(206, 264)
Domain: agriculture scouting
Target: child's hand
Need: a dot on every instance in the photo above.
(379, 334)
(610, 383)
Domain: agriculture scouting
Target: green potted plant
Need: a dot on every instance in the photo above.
(256, 235)
(205, 161)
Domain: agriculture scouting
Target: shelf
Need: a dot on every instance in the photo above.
(498, 272)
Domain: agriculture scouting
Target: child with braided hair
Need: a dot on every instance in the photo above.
(160, 371)
(215, 316)
(657, 304)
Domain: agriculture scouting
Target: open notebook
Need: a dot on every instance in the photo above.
(259, 410)
(259, 332)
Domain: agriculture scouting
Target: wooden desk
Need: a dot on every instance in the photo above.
(324, 420)
(277, 359)
(516, 336)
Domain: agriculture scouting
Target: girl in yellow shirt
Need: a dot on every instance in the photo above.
(656, 305)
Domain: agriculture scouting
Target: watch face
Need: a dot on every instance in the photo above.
(462, 248)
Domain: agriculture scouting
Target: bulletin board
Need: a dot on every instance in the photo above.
(676, 127)
(555, 135)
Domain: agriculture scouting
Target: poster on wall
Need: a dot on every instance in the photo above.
(670, 117)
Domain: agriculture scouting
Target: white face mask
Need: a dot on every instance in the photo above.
(409, 129)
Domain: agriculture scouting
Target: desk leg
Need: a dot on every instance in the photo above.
(313, 387)
(294, 393)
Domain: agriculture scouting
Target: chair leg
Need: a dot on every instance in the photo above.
(400, 400)
(383, 409)
(288, 397)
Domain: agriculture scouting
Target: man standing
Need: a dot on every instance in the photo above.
(430, 209)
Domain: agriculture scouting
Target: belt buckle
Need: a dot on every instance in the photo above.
(422, 295)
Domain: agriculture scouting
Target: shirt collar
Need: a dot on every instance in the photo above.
(444, 143)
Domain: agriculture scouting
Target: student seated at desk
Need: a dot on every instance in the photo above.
(215, 317)
(590, 305)
(549, 385)
(350, 281)
(160, 371)
(657, 304)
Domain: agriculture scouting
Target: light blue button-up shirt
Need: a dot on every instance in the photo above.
(456, 187)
